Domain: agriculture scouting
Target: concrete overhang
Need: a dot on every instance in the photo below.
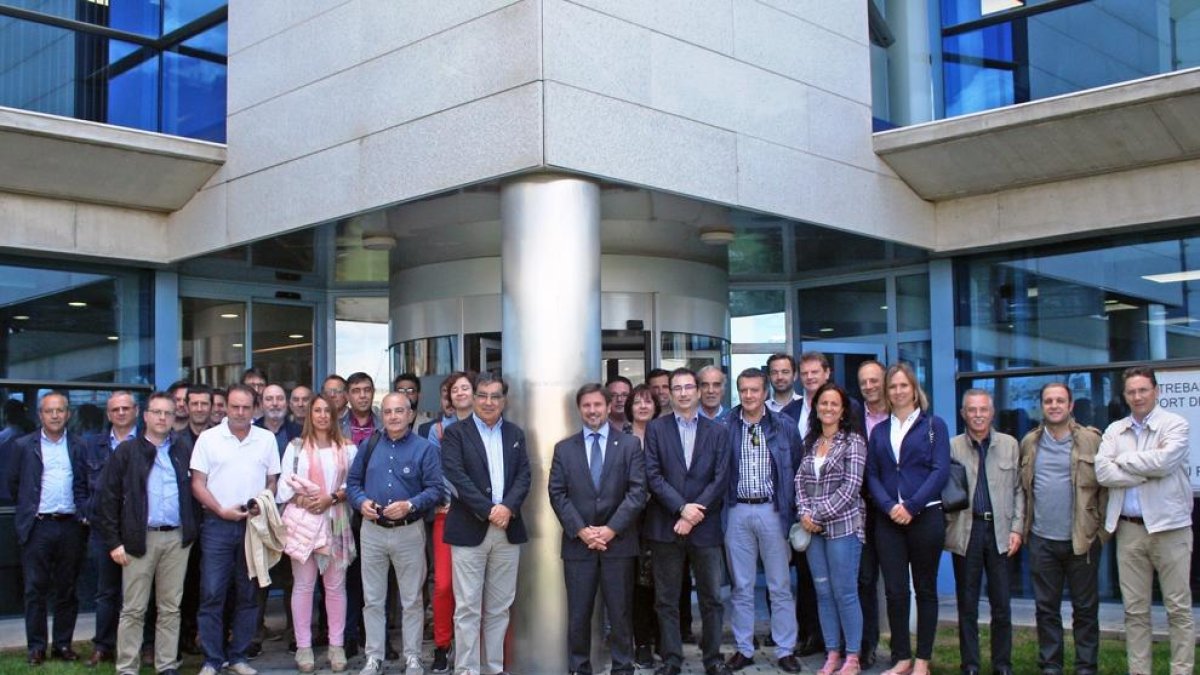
(64, 158)
(1115, 128)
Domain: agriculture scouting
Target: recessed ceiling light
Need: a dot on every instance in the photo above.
(883, 307)
(1174, 277)
(114, 338)
(21, 317)
(295, 336)
(77, 303)
(826, 330)
(229, 315)
(237, 344)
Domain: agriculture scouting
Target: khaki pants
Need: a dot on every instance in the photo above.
(485, 584)
(1139, 555)
(162, 568)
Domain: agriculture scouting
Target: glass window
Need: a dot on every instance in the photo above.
(193, 100)
(73, 326)
(361, 325)
(133, 96)
(425, 357)
(294, 251)
(920, 356)
(353, 262)
(283, 343)
(912, 302)
(758, 317)
(757, 251)
(687, 350)
(821, 249)
(846, 310)
(1124, 299)
(214, 340)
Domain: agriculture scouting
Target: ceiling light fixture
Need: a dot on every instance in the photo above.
(378, 241)
(20, 317)
(229, 315)
(77, 303)
(296, 336)
(1173, 277)
(113, 338)
(717, 235)
(239, 345)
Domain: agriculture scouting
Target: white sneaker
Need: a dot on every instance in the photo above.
(242, 668)
(373, 667)
(412, 666)
(208, 670)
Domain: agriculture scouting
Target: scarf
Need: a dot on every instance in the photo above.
(341, 549)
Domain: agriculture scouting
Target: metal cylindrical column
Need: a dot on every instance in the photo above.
(550, 313)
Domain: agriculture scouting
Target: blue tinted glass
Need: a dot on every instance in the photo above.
(215, 40)
(193, 97)
(971, 88)
(135, 16)
(118, 50)
(179, 12)
(958, 11)
(133, 97)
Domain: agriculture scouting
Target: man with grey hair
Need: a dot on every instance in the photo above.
(274, 416)
(987, 533)
(711, 380)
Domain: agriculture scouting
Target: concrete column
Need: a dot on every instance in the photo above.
(550, 313)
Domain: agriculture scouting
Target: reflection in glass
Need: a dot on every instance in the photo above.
(688, 350)
(193, 98)
(431, 360)
(846, 310)
(214, 337)
(283, 343)
(919, 355)
(756, 251)
(758, 317)
(820, 249)
(912, 302)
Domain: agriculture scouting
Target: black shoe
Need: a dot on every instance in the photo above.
(809, 647)
(967, 670)
(1001, 670)
(667, 669)
(789, 664)
(866, 659)
(147, 655)
(38, 656)
(718, 668)
(739, 661)
(253, 650)
(64, 654)
(168, 671)
(643, 656)
(688, 638)
(769, 641)
(390, 652)
(441, 660)
(351, 649)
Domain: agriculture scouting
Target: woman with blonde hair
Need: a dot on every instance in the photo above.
(908, 464)
(320, 539)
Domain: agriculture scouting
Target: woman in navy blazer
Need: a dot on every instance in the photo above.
(908, 463)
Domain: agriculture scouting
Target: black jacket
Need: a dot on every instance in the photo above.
(121, 516)
(25, 480)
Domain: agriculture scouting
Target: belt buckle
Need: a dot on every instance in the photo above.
(988, 517)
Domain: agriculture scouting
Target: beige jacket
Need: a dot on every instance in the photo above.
(265, 539)
(1090, 498)
(1157, 464)
(1004, 489)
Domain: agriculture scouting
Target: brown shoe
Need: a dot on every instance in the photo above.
(99, 655)
(64, 654)
(36, 657)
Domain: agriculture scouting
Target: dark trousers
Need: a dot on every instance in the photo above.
(1053, 565)
(685, 598)
(222, 571)
(708, 565)
(808, 620)
(916, 547)
(108, 596)
(189, 606)
(613, 577)
(982, 557)
(868, 595)
(51, 560)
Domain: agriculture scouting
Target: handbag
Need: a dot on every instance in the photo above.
(799, 538)
(954, 494)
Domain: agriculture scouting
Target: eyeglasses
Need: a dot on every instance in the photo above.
(680, 388)
(333, 392)
(406, 390)
(489, 397)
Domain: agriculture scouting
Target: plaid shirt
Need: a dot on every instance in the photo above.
(754, 466)
(834, 500)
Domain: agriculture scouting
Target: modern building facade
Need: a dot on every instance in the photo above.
(1000, 192)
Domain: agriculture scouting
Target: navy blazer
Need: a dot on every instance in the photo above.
(464, 462)
(673, 485)
(618, 502)
(922, 472)
(786, 448)
(25, 480)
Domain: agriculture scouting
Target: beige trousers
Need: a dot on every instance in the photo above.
(485, 584)
(1139, 555)
(163, 569)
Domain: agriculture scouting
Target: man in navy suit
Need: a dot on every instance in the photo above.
(687, 470)
(48, 482)
(597, 489)
(486, 462)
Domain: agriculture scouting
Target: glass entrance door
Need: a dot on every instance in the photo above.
(845, 358)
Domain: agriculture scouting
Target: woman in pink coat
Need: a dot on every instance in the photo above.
(314, 469)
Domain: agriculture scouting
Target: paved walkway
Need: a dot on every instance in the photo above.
(276, 660)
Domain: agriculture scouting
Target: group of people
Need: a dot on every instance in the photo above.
(661, 489)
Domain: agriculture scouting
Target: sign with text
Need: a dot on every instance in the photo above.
(1179, 392)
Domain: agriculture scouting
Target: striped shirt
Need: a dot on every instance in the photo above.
(754, 464)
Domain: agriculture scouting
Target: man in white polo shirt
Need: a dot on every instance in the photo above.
(231, 464)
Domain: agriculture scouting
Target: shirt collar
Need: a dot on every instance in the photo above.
(483, 427)
(112, 438)
(1147, 422)
(603, 431)
(907, 420)
(985, 443)
(684, 422)
(62, 440)
(720, 411)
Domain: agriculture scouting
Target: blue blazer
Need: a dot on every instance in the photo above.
(922, 472)
(618, 502)
(786, 448)
(25, 480)
(672, 484)
(464, 463)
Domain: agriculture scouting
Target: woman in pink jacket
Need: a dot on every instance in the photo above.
(314, 469)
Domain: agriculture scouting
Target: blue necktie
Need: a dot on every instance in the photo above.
(597, 461)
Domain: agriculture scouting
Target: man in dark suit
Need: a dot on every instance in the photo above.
(687, 470)
(597, 489)
(485, 460)
(48, 482)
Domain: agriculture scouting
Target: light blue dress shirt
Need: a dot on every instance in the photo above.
(57, 495)
(587, 443)
(162, 490)
(687, 436)
(493, 443)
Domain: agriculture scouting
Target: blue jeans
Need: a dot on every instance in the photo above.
(222, 563)
(834, 564)
(754, 531)
(108, 595)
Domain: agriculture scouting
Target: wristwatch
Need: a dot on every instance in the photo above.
(333, 496)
